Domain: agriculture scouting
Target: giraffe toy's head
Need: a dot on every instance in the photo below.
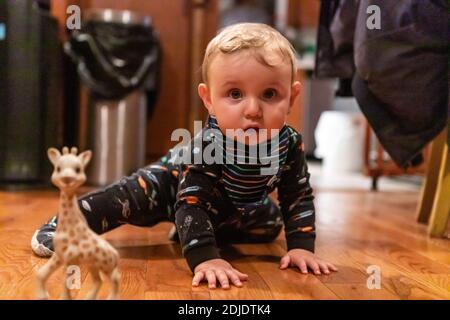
(68, 174)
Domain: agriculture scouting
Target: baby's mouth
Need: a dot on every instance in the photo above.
(251, 135)
(255, 128)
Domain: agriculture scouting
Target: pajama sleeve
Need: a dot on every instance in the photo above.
(195, 210)
(296, 199)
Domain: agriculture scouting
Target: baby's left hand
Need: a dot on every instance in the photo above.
(304, 259)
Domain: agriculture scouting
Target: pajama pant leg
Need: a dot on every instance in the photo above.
(142, 199)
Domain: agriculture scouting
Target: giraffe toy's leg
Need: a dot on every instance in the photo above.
(44, 273)
(114, 276)
(92, 295)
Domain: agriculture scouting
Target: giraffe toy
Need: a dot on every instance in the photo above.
(74, 242)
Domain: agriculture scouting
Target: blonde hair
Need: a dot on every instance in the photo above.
(260, 38)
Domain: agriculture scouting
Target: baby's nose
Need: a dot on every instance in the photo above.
(253, 109)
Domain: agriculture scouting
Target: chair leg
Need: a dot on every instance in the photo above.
(374, 186)
(430, 182)
(441, 205)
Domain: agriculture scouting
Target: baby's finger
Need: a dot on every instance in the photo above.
(323, 266)
(284, 263)
(332, 266)
(242, 276)
(313, 265)
(234, 278)
(301, 264)
(197, 278)
(223, 279)
(211, 278)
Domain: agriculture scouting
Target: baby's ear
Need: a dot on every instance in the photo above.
(85, 157)
(205, 95)
(295, 91)
(53, 154)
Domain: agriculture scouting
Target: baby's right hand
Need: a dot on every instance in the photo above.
(218, 270)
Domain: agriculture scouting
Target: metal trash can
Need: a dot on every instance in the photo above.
(117, 53)
(116, 135)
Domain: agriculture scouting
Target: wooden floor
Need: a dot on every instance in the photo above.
(356, 229)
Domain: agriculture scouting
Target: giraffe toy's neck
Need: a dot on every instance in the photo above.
(69, 214)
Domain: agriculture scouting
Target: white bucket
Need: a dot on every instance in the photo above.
(340, 141)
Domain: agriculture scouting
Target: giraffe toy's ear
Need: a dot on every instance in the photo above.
(53, 155)
(85, 157)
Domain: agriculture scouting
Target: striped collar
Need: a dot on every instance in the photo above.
(274, 146)
(243, 176)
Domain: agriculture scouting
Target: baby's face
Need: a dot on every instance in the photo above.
(243, 94)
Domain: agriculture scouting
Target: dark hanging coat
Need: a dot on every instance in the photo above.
(399, 73)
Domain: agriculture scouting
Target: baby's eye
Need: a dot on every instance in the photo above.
(269, 94)
(235, 94)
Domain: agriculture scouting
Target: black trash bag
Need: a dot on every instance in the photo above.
(113, 59)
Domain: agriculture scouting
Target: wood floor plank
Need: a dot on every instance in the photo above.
(284, 284)
(255, 288)
(375, 243)
(398, 265)
(405, 285)
(176, 295)
(350, 282)
(18, 268)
